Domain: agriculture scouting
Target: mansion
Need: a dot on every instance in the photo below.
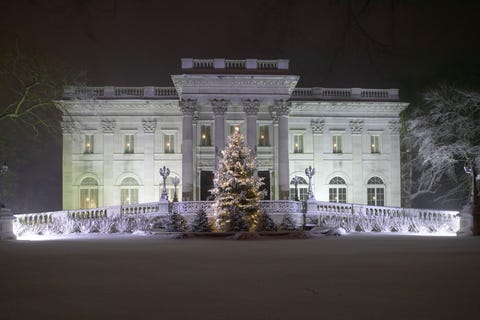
(115, 139)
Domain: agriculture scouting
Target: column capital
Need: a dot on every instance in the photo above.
(356, 126)
(251, 106)
(108, 126)
(149, 126)
(282, 107)
(219, 106)
(188, 106)
(317, 125)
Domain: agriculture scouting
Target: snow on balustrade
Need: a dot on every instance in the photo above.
(152, 208)
(85, 93)
(357, 217)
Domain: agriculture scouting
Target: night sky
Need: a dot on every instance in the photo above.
(409, 45)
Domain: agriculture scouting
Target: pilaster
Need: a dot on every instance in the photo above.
(108, 127)
(356, 129)
(67, 178)
(282, 109)
(251, 108)
(187, 107)
(149, 127)
(219, 107)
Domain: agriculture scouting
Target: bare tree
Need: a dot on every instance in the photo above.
(444, 135)
(30, 84)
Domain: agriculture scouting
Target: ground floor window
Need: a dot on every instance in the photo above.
(302, 187)
(129, 191)
(88, 193)
(338, 190)
(376, 192)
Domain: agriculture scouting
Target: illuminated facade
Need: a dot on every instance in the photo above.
(115, 139)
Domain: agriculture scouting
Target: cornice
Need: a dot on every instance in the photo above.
(348, 106)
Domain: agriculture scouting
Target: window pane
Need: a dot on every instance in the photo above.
(380, 196)
(168, 146)
(371, 196)
(88, 147)
(298, 143)
(128, 143)
(332, 195)
(375, 145)
(205, 136)
(84, 199)
(264, 136)
(337, 144)
(342, 195)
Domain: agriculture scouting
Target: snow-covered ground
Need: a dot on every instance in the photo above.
(359, 276)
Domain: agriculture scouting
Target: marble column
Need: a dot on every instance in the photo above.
(356, 129)
(219, 107)
(251, 110)
(282, 109)
(187, 107)
(108, 127)
(68, 198)
(149, 127)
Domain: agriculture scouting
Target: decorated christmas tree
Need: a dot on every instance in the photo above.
(237, 185)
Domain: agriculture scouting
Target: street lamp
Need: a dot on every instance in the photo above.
(309, 172)
(3, 170)
(164, 173)
(175, 181)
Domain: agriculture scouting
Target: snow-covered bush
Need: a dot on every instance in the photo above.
(123, 224)
(105, 225)
(330, 221)
(176, 223)
(141, 223)
(312, 220)
(287, 223)
(86, 225)
(265, 222)
(201, 222)
(401, 224)
(383, 223)
(349, 223)
(365, 223)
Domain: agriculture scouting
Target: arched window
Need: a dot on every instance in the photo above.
(129, 191)
(338, 190)
(375, 192)
(88, 193)
(302, 189)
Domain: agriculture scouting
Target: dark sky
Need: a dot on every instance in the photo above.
(380, 44)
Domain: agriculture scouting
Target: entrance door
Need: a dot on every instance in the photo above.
(206, 184)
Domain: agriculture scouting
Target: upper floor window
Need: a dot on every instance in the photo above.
(264, 136)
(298, 143)
(205, 135)
(128, 143)
(337, 144)
(168, 143)
(375, 144)
(88, 146)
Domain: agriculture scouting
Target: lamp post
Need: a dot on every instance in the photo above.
(3, 170)
(309, 172)
(164, 173)
(296, 180)
(175, 181)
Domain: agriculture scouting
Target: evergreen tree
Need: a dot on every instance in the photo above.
(237, 185)
(176, 223)
(287, 223)
(265, 222)
(201, 223)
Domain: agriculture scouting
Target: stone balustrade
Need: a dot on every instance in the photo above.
(345, 94)
(84, 93)
(236, 64)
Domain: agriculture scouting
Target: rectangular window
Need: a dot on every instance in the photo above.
(337, 144)
(129, 196)
(128, 145)
(337, 195)
(264, 136)
(88, 147)
(205, 136)
(298, 143)
(375, 144)
(88, 198)
(376, 196)
(168, 143)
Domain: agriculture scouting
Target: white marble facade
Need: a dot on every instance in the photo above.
(115, 139)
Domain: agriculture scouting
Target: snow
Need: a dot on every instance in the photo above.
(125, 276)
